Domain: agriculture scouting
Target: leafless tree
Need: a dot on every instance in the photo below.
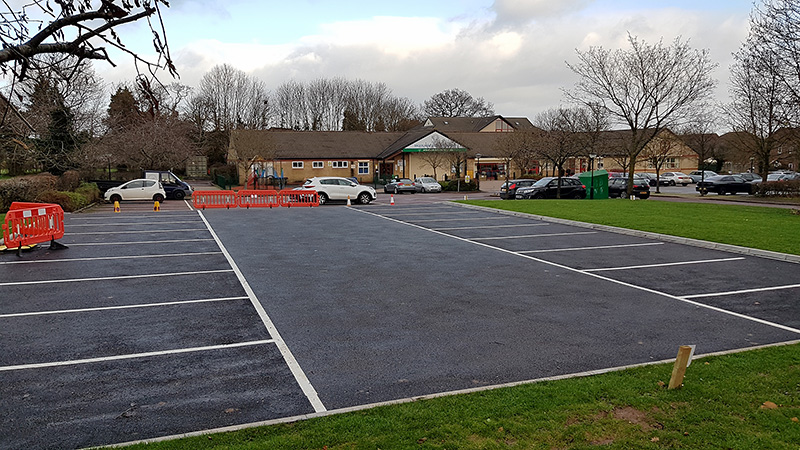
(699, 135)
(563, 138)
(232, 99)
(457, 103)
(646, 88)
(436, 156)
(660, 150)
(79, 28)
(517, 147)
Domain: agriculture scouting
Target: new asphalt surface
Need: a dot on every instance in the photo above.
(160, 323)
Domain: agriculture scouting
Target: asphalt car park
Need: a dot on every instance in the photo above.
(161, 323)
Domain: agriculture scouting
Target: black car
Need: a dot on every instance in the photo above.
(547, 187)
(618, 187)
(509, 189)
(724, 184)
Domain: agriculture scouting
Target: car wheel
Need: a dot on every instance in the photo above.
(323, 198)
(672, 183)
(623, 194)
(423, 190)
(364, 198)
(179, 195)
(578, 196)
(537, 196)
(116, 198)
(158, 198)
(396, 191)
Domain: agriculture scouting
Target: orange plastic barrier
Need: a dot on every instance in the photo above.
(259, 198)
(303, 197)
(214, 199)
(33, 223)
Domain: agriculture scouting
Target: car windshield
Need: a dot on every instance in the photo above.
(427, 180)
(543, 181)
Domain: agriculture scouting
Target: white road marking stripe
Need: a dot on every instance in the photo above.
(177, 230)
(134, 355)
(599, 247)
(428, 213)
(73, 225)
(455, 220)
(121, 277)
(492, 226)
(104, 258)
(744, 291)
(106, 217)
(188, 205)
(294, 366)
(680, 263)
(532, 236)
(107, 308)
(593, 275)
(170, 241)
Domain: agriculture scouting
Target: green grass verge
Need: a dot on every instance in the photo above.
(775, 229)
(719, 406)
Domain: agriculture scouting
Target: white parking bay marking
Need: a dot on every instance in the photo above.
(106, 258)
(107, 308)
(294, 366)
(165, 241)
(179, 230)
(575, 233)
(598, 247)
(120, 277)
(492, 226)
(593, 275)
(133, 356)
(680, 263)
(744, 291)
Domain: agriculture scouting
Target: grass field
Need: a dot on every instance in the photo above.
(723, 404)
(748, 400)
(775, 229)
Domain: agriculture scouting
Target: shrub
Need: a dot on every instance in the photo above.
(90, 191)
(454, 185)
(69, 181)
(24, 189)
(69, 201)
(778, 189)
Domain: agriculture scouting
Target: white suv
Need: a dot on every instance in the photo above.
(338, 188)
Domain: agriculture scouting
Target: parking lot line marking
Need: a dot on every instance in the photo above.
(106, 308)
(180, 230)
(743, 291)
(104, 258)
(456, 220)
(598, 247)
(680, 263)
(492, 226)
(134, 355)
(135, 223)
(119, 277)
(103, 217)
(188, 205)
(170, 241)
(428, 213)
(291, 361)
(532, 236)
(593, 275)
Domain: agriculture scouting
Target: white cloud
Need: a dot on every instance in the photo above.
(523, 11)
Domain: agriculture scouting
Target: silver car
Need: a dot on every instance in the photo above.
(427, 184)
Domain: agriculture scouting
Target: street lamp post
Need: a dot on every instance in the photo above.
(478, 171)
(592, 156)
(752, 161)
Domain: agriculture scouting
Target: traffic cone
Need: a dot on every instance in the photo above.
(348, 201)
(116, 207)
(392, 200)
(156, 206)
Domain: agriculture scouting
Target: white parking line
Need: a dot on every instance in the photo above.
(744, 291)
(107, 308)
(188, 205)
(598, 247)
(103, 217)
(599, 277)
(680, 263)
(575, 233)
(429, 213)
(105, 258)
(492, 226)
(166, 241)
(72, 225)
(294, 366)
(456, 220)
(133, 355)
(121, 277)
(178, 230)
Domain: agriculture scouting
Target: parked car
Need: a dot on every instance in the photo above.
(173, 186)
(427, 184)
(751, 177)
(618, 187)
(699, 175)
(508, 190)
(724, 184)
(138, 189)
(547, 187)
(651, 178)
(675, 178)
(783, 176)
(400, 185)
(617, 174)
(338, 188)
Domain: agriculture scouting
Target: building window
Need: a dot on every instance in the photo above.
(502, 126)
(363, 168)
(297, 164)
(317, 165)
(671, 163)
(341, 164)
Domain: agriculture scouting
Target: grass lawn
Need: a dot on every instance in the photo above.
(721, 405)
(766, 228)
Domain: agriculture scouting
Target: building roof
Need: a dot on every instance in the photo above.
(472, 124)
(315, 144)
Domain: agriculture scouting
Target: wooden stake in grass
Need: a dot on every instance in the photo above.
(679, 369)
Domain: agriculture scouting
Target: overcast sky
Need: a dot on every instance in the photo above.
(511, 52)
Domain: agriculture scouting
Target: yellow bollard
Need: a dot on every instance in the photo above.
(116, 207)
(156, 206)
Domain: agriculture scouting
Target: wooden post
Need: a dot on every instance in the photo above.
(679, 369)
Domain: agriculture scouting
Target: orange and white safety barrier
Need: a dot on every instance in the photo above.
(214, 199)
(300, 197)
(258, 198)
(33, 223)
